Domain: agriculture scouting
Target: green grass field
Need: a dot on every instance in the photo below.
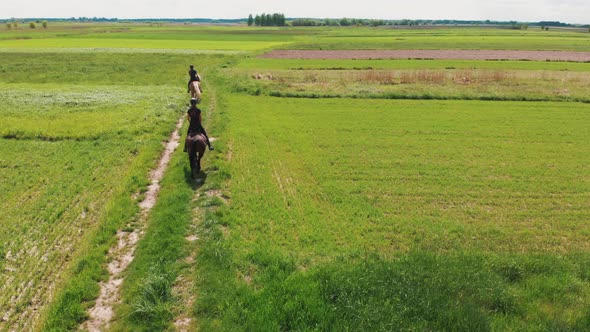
(471, 190)
(78, 137)
(346, 208)
(306, 170)
(66, 155)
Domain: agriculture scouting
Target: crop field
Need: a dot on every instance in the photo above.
(445, 38)
(64, 153)
(131, 38)
(353, 195)
(319, 185)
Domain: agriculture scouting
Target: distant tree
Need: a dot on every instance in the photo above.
(330, 22)
(44, 24)
(275, 20)
(376, 23)
(267, 20)
(32, 25)
(15, 24)
(344, 22)
(262, 20)
(250, 20)
(8, 26)
(524, 26)
(304, 22)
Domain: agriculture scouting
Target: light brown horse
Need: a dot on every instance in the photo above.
(195, 144)
(195, 88)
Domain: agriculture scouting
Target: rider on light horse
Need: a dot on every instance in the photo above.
(194, 76)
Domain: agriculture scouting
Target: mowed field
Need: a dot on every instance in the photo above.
(351, 195)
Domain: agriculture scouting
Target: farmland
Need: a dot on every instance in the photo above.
(77, 145)
(342, 195)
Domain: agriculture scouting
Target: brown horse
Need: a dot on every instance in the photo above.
(195, 144)
(195, 88)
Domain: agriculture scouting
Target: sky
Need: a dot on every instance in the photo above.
(570, 11)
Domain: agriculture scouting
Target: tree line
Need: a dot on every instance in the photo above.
(267, 20)
(279, 19)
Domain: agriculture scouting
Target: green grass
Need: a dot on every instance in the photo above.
(77, 146)
(84, 112)
(66, 188)
(467, 205)
(417, 291)
(98, 69)
(382, 171)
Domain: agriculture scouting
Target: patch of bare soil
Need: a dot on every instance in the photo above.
(122, 254)
(431, 54)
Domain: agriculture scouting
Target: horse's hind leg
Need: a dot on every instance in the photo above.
(198, 163)
(191, 161)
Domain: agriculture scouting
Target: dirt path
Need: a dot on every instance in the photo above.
(121, 255)
(431, 54)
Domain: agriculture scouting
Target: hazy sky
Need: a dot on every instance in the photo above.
(571, 11)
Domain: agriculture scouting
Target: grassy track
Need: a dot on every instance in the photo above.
(150, 301)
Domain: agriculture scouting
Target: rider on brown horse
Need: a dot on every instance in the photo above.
(195, 124)
(194, 76)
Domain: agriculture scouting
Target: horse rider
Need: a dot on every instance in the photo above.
(194, 76)
(195, 124)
